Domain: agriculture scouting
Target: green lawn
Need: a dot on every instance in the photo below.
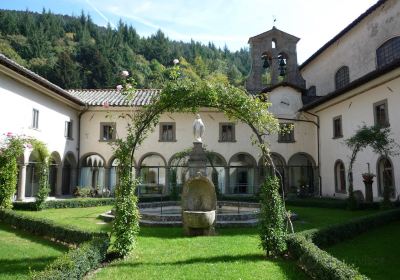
(21, 252)
(376, 252)
(164, 253)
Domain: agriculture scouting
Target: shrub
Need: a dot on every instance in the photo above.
(49, 229)
(10, 149)
(318, 263)
(84, 192)
(77, 262)
(272, 218)
(337, 233)
(43, 167)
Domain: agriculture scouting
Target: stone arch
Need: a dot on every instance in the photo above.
(92, 171)
(385, 175)
(242, 173)
(97, 160)
(140, 162)
(280, 166)
(55, 178)
(253, 160)
(153, 176)
(32, 174)
(302, 173)
(69, 173)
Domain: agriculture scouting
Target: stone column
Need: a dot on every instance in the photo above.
(22, 182)
(59, 180)
(227, 181)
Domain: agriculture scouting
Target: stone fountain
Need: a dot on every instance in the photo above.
(199, 200)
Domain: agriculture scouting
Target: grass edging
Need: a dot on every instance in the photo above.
(319, 264)
(77, 262)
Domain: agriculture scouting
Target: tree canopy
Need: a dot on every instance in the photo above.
(73, 52)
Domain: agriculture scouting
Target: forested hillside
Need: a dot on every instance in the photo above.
(73, 52)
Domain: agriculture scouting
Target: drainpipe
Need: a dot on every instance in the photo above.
(319, 154)
(78, 173)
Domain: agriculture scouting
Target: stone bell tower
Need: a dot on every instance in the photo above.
(274, 60)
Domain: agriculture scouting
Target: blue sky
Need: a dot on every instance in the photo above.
(229, 22)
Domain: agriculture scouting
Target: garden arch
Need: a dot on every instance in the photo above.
(180, 94)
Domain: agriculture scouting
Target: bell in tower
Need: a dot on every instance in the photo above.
(274, 60)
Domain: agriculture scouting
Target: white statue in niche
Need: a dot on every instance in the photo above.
(198, 129)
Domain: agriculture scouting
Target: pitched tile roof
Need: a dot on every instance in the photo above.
(98, 97)
(36, 78)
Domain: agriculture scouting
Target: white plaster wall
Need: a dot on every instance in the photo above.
(356, 49)
(355, 112)
(17, 102)
(305, 136)
(286, 102)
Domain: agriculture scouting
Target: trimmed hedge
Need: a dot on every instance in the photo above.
(337, 233)
(48, 228)
(318, 263)
(76, 263)
(65, 203)
(317, 202)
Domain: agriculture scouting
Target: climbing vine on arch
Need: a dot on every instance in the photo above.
(180, 94)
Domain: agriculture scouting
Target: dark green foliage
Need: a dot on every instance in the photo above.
(43, 167)
(334, 234)
(317, 202)
(77, 262)
(11, 149)
(272, 218)
(317, 263)
(73, 52)
(67, 203)
(381, 141)
(48, 228)
(126, 223)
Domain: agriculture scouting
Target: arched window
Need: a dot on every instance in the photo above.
(312, 91)
(388, 52)
(273, 44)
(342, 77)
(340, 177)
(385, 176)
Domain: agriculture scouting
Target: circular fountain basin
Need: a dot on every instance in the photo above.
(228, 214)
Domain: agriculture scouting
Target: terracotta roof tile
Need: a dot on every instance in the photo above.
(97, 97)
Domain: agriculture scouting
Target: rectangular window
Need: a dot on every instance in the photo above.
(381, 115)
(167, 132)
(68, 129)
(337, 127)
(227, 132)
(107, 131)
(286, 133)
(35, 118)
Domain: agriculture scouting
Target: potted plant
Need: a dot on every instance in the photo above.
(368, 179)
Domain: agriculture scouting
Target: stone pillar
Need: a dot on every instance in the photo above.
(227, 180)
(59, 180)
(106, 178)
(197, 160)
(22, 182)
